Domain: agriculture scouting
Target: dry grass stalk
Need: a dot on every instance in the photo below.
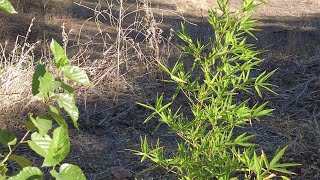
(133, 53)
(16, 70)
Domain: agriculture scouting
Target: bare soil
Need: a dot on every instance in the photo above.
(290, 32)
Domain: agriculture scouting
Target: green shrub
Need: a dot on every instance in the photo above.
(220, 74)
(52, 91)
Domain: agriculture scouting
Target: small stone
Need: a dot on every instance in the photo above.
(121, 174)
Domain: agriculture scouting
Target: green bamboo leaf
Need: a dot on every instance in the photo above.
(67, 102)
(257, 164)
(282, 170)
(163, 67)
(260, 111)
(7, 138)
(277, 157)
(7, 6)
(286, 165)
(60, 56)
(55, 114)
(265, 159)
(68, 171)
(28, 173)
(59, 147)
(258, 90)
(22, 161)
(76, 74)
(177, 79)
(40, 144)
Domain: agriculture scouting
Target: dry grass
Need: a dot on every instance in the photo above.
(16, 69)
(129, 42)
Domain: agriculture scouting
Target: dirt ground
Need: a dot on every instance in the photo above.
(290, 32)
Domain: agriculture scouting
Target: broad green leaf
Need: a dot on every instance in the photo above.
(40, 144)
(22, 161)
(60, 56)
(7, 138)
(67, 102)
(7, 6)
(68, 171)
(59, 147)
(76, 74)
(13, 142)
(66, 87)
(39, 72)
(28, 173)
(30, 126)
(46, 87)
(43, 124)
(55, 114)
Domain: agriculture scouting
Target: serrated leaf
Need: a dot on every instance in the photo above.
(59, 147)
(28, 173)
(43, 124)
(47, 86)
(76, 74)
(39, 72)
(40, 144)
(68, 171)
(30, 126)
(7, 6)
(60, 56)
(7, 138)
(67, 102)
(55, 114)
(22, 161)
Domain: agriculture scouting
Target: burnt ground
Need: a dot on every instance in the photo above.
(290, 32)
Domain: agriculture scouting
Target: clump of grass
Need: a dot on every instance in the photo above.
(16, 69)
(130, 42)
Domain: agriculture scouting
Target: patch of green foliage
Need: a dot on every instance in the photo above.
(53, 145)
(214, 84)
